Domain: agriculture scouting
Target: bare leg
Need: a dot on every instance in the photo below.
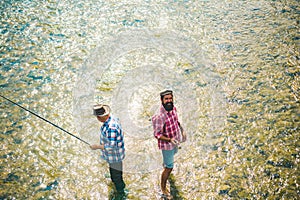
(164, 177)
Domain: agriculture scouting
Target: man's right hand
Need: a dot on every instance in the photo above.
(173, 141)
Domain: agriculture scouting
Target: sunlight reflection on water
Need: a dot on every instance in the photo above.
(232, 64)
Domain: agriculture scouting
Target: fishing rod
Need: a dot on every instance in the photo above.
(45, 120)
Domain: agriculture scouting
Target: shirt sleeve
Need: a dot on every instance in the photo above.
(158, 125)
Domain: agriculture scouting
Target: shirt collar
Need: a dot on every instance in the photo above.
(107, 121)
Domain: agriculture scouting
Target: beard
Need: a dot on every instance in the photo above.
(168, 106)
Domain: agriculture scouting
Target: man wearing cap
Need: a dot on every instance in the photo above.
(168, 132)
(111, 145)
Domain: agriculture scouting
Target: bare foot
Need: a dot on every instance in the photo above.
(166, 195)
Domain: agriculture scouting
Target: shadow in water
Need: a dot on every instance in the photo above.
(173, 189)
(111, 191)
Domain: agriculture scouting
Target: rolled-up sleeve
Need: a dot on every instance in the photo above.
(158, 125)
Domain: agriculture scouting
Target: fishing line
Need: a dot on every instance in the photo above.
(45, 120)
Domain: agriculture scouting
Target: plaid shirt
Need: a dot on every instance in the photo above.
(111, 136)
(166, 124)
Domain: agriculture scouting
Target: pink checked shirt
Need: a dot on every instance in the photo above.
(166, 124)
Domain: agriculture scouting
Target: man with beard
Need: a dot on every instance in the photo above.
(168, 132)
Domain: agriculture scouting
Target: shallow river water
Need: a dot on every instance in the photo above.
(234, 69)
